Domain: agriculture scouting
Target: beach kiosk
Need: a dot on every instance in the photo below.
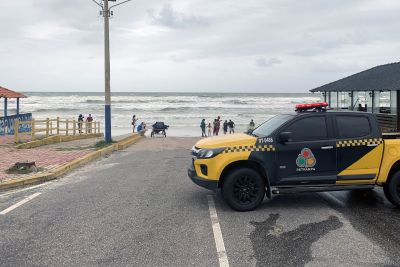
(7, 120)
(376, 90)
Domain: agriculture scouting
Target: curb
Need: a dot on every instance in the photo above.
(54, 174)
(56, 139)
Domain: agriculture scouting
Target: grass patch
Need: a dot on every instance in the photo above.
(98, 145)
(73, 148)
(102, 144)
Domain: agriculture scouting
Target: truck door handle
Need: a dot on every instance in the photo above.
(327, 147)
(372, 145)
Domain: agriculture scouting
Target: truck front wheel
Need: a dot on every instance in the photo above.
(392, 189)
(243, 189)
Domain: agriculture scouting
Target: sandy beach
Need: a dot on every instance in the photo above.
(162, 144)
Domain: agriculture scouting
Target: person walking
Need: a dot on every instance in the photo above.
(231, 126)
(203, 128)
(134, 120)
(80, 122)
(210, 129)
(225, 126)
(89, 120)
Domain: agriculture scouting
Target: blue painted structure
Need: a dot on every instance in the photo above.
(7, 124)
(107, 124)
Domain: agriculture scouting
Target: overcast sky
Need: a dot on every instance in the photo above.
(195, 45)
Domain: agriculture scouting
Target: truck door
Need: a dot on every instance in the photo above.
(310, 156)
(359, 148)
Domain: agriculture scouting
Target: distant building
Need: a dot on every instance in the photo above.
(375, 90)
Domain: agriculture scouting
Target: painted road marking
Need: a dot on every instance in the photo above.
(219, 241)
(22, 202)
(24, 189)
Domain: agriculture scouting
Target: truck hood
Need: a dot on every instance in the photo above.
(226, 141)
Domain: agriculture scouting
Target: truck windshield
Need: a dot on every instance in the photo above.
(271, 125)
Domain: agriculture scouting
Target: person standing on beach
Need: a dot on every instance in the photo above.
(203, 128)
(80, 122)
(252, 125)
(231, 125)
(217, 125)
(210, 129)
(89, 120)
(225, 126)
(134, 120)
(214, 126)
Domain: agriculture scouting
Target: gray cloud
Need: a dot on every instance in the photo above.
(267, 62)
(168, 17)
(207, 45)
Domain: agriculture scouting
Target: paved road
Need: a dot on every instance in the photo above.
(138, 208)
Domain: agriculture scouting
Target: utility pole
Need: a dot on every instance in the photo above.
(107, 76)
(107, 13)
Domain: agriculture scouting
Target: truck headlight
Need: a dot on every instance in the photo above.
(209, 153)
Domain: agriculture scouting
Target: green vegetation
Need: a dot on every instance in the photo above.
(102, 144)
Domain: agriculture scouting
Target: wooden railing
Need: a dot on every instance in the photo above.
(49, 127)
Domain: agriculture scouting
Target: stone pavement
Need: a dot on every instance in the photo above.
(9, 139)
(47, 157)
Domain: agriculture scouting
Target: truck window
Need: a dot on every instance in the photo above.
(353, 126)
(308, 129)
(268, 127)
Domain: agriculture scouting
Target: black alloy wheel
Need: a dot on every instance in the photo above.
(392, 189)
(244, 189)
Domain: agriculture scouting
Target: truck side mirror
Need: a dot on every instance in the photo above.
(285, 137)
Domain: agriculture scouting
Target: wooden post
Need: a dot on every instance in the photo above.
(86, 127)
(33, 137)
(47, 127)
(99, 127)
(66, 127)
(58, 125)
(95, 127)
(16, 127)
(74, 126)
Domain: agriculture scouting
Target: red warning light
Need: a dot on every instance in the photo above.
(316, 106)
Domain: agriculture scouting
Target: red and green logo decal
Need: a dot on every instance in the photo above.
(306, 159)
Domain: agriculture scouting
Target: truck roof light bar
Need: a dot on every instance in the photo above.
(316, 107)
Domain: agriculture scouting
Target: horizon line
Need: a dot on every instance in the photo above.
(168, 92)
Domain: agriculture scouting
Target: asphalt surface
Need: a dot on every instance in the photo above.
(138, 208)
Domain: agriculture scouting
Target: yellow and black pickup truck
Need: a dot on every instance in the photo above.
(307, 151)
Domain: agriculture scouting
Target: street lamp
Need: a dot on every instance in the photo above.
(107, 13)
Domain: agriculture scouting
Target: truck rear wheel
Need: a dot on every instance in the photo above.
(243, 189)
(392, 189)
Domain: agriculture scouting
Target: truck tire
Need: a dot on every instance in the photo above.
(243, 189)
(392, 189)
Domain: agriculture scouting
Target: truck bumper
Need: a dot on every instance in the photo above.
(209, 184)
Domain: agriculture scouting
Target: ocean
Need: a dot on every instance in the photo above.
(183, 112)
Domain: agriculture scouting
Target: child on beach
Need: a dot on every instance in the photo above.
(134, 120)
(209, 129)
